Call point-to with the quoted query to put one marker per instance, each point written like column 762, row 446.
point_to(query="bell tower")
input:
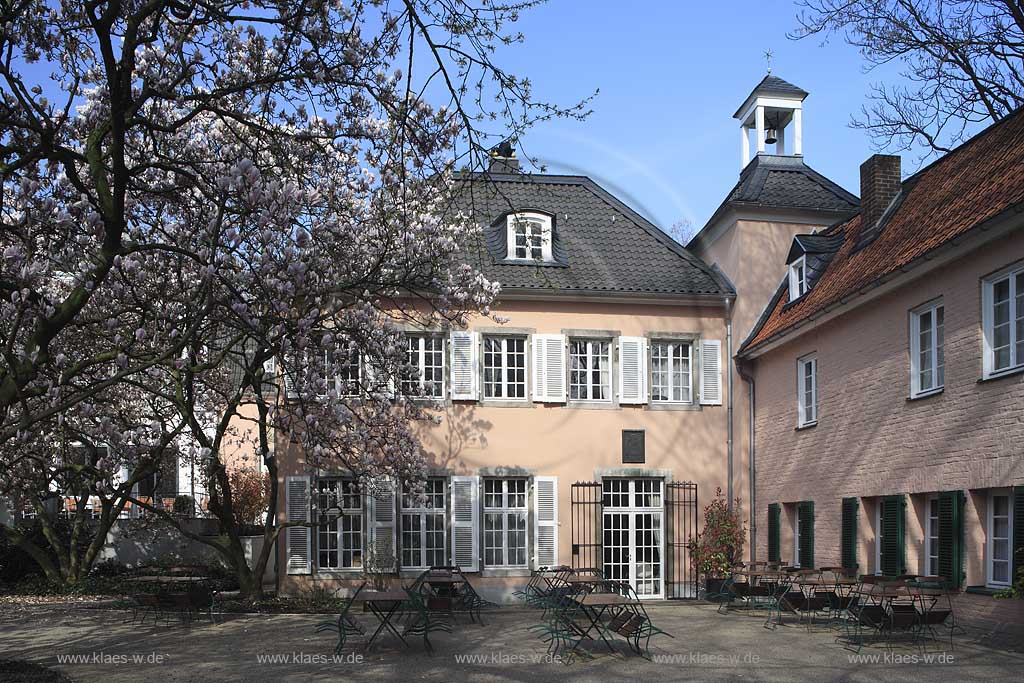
column 773, row 111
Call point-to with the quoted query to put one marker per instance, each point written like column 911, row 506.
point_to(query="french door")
column 634, row 533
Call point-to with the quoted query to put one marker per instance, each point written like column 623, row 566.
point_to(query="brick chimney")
column 503, row 159
column 880, row 182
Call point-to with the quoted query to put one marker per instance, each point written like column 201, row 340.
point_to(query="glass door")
column 634, row 533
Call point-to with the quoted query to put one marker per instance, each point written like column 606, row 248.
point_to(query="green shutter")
column 893, row 556
column 951, row 537
column 1018, row 531
column 849, row 549
column 774, row 514
column 805, row 519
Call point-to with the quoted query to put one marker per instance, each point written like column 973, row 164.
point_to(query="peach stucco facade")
column 573, row 442
column 871, row 439
column 749, row 252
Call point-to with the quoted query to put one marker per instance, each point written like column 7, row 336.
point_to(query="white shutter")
column 549, row 368
column 298, row 553
column 466, row 522
column 289, row 385
column 464, row 365
column 545, row 521
column 381, row 503
column 632, row 370
column 711, row 372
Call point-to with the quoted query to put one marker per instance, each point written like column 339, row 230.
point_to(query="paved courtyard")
column 707, row 647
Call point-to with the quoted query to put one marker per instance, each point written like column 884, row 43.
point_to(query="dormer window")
column 797, row 278
column 529, row 237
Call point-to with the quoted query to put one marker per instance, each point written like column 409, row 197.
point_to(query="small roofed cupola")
column 808, row 257
column 503, row 159
column 773, row 111
column 880, row 184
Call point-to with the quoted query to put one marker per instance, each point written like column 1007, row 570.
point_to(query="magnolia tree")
column 193, row 189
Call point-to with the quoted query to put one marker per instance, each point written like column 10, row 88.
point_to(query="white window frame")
column 589, row 354
column 536, row 226
column 936, row 352
column 345, row 386
column 506, row 511
column 357, row 515
column 504, row 354
column 436, row 391
column 931, row 535
column 1015, row 277
column 990, row 538
column 414, row 506
column 801, row 391
column 797, row 278
column 669, row 388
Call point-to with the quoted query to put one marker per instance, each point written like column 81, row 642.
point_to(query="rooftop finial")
column 768, row 54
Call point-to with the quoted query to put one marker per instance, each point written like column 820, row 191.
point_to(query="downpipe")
column 751, row 386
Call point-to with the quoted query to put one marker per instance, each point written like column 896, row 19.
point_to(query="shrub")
column 250, row 496
column 184, row 506
column 17, row 565
column 715, row 549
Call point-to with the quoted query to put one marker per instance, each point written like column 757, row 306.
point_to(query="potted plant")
column 718, row 545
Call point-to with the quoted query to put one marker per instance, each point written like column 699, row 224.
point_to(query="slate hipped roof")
column 600, row 245
column 785, row 182
column 772, row 85
column 980, row 181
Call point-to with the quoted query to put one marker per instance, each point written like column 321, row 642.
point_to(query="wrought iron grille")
column 681, row 509
column 586, row 524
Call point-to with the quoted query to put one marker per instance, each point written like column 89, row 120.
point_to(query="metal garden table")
column 384, row 605
column 594, row 605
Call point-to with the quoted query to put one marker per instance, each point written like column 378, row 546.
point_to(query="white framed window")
column 505, row 515
column 671, row 371
column 927, row 356
column 505, row 368
column 590, row 370
column 348, row 369
column 807, row 390
column 1000, row 538
column 340, row 532
column 529, row 237
column 931, row 537
column 425, row 357
column 1003, row 321
column 798, row 278
column 423, row 526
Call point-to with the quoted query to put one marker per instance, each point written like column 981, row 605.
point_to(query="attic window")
column 797, row 278
column 529, row 237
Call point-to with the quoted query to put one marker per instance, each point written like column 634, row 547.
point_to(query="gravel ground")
column 707, row 647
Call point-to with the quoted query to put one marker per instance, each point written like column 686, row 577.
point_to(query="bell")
column 770, row 136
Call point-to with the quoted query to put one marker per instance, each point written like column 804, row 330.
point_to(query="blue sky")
column 671, row 74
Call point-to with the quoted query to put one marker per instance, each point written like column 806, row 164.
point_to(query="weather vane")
column 768, row 59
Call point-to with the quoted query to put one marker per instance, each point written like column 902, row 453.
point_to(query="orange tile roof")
column 975, row 182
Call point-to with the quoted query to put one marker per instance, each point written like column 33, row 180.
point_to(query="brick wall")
column 870, row 439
